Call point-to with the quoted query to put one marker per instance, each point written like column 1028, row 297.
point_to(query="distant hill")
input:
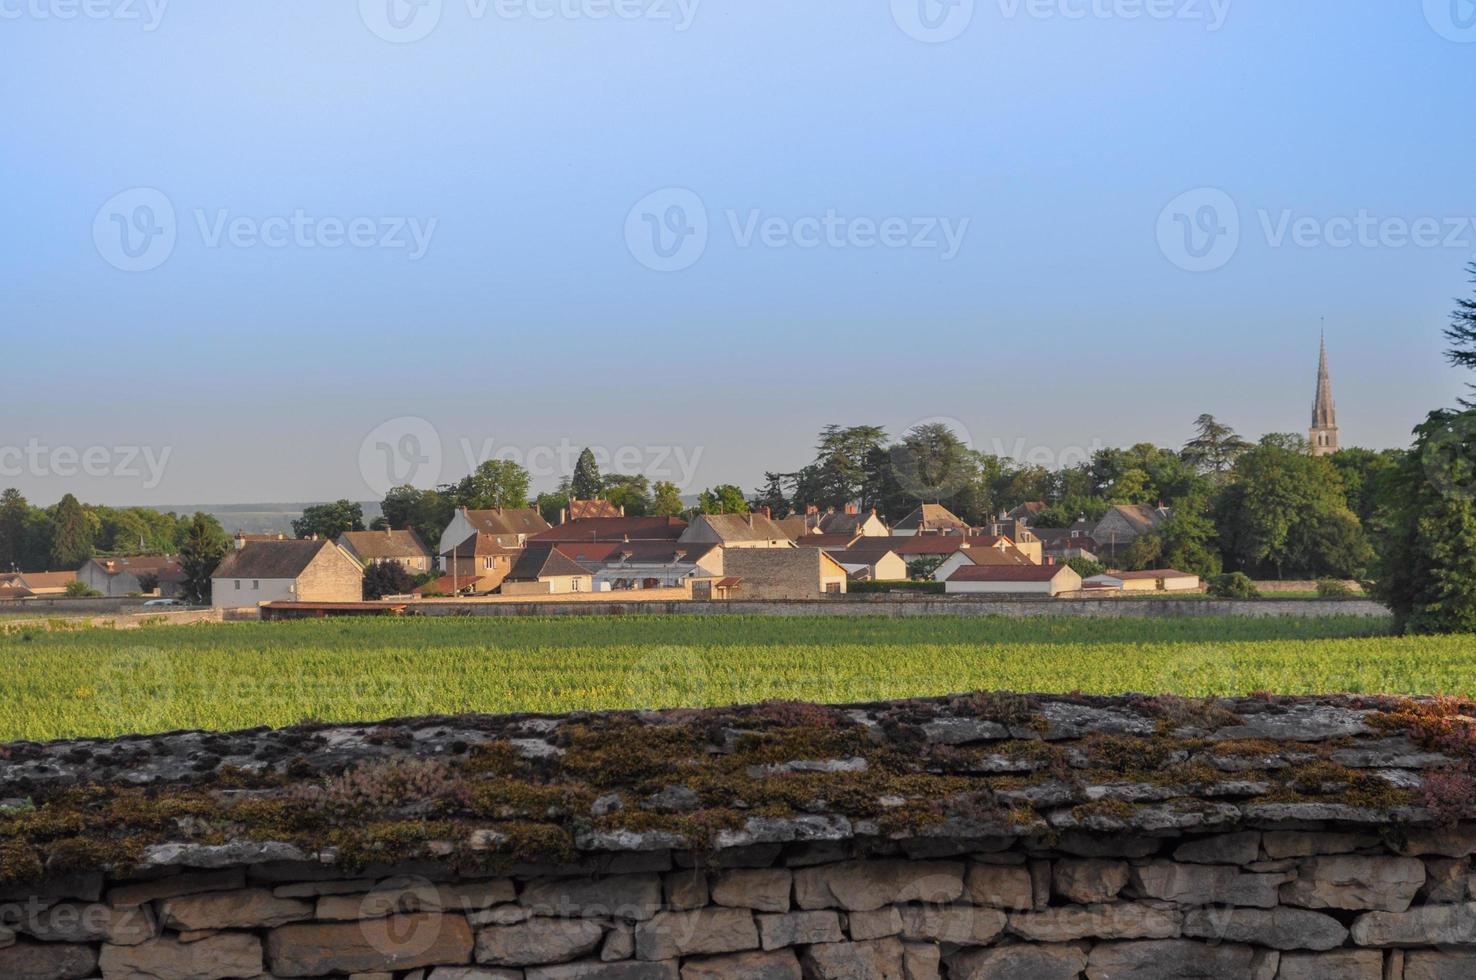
column 258, row 518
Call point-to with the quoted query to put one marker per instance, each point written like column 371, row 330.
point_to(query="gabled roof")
column 831, row 541
column 795, row 525
column 36, row 581
column 1144, row 517
column 744, row 527
column 653, row 552
column 271, row 559
column 160, row 565
column 922, row 544
column 482, row 544
column 372, row 545
column 1027, row 510
column 544, row 561
column 579, row 510
column 507, row 520
column 931, row 517
column 614, row 529
column 1007, row 573
column 843, row 523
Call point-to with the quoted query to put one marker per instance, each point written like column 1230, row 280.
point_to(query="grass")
column 225, row 676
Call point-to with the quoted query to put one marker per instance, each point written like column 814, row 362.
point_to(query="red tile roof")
column 614, row 529
column 1007, row 573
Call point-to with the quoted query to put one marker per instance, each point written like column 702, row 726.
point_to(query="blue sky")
column 997, row 213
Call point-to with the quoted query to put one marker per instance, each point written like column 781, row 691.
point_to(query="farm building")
column 286, row 571
column 1037, row 580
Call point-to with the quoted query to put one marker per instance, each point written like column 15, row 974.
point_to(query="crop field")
column 225, row 676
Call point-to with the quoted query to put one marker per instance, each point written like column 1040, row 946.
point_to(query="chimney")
column 811, row 509
column 852, row 509
column 1050, row 559
column 622, row 510
column 750, row 520
column 563, row 516
column 768, row 511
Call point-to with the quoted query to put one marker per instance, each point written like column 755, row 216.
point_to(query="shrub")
column 884, row 587
column 81, row 590
column 1333, row 588
column 1234, row 585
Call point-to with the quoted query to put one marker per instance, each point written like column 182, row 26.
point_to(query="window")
column 255, row 584
column 576, row 584
column 238, row 585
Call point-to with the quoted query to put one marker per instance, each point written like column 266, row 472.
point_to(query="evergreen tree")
column 71, row 540
column 1215, row 447
column 586, row 483
column 1462, row 332
column 204, row 547
column 328, row 521
column 496, row 483
column 13, row 513
column 771, row 495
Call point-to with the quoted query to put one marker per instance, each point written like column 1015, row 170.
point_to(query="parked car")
column 163, row 602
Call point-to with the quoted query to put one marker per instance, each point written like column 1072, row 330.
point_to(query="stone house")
column 989, row 551
column 513, row 526
column 736, row 531
column 650, row 564
column 116, row 577
column 931, row 519
column 849, row 520
column 1152, row 580
column 378, row 547
column 483, row 558
column 1125, row 523
column 542, row 569
column 784, row 573
column 28, row 584
column 286, row 571
column 871, row 565
column 1027, row 580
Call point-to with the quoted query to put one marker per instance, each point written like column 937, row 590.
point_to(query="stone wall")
column 983, row 837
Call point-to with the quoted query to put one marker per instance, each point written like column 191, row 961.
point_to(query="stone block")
column 800, row 929
column 538, row 942
column 865, row 886
column 1088, row 881
column 226, row 956
column 313, row 949
column 1353, row 882
column 760, row 889
column 1023, row 962
column 704, row 932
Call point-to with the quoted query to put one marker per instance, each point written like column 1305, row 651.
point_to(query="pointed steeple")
column 1324, row 432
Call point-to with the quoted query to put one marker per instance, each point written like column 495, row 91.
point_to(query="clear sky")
column 240, row 237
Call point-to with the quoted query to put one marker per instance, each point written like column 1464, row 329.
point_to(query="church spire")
column 1324, row 432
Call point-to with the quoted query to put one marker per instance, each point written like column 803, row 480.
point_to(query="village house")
column 1125, row 523
column 134, row 575
column 286, row 571
column 871, row 565
column 613, row 529
column 736, row 531
column 850, row 520
column 513, row 526
column 1027, row 580
column 930, row 519
column 783, row 573
column 651, row 565
column 987, row 551
column 1152, row 580
column 1027, row 511
column 27, row 585
column 542, row 569
column 242, row 539
column 380, row 547
column 1020, row 535
column 483, row 559
column 1065, row 543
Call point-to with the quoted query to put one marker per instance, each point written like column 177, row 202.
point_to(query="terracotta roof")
column 371, row 545
column 931, row 517
column 507, row 520
column 543, row 561
column 921, row 544
column 831, row 540
column 842, row 523
column 36, row 581
column 271, row 559
column 662, row 552
column 1144, row 517
column 579, row 510
column 795, row 525
column 482, row 543
column 1027, row 510
column 1007, row 573
column 1152, row 573
column 614, row 529
column 15, row 592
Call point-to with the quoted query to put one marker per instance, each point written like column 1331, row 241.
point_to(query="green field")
column 103, row 682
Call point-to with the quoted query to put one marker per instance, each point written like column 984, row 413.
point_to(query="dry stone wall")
column 975, row 838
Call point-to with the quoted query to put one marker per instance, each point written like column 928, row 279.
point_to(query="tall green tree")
column 1426, row 530
column 633, row 493
column 1462, row 332
column 204, row 547
column 772, row 495
column 723, row 499
column 71, row 542
column 667, row 501
column 495, row 483
column 1215, row 446
column 328, row 521
column 13, row 513
column 932, row 464
column 586, row 484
